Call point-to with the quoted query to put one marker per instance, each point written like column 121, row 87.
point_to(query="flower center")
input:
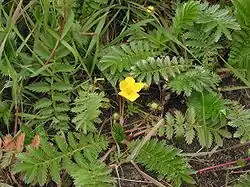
column 129, row 91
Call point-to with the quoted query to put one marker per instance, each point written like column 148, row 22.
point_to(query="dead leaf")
column 35, row 142
column 20, row 143
column 8, row 143
column 1, row 141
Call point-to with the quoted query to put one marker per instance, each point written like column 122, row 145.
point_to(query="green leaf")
column 40, row 70
column 43, row 103
column 31, row 174
column 42, row 174
column 189, row 135
column 242, row 12
column 239, row 55
column 185, row 16
column 68, row 24
column 38, row 164
column 40, row 87
column 61, row 97
column 118, row 132
column 154, row 68
column 208, row 106
column 197, row 79
column 54, row 168
column 164, row 160
column 116, row 63
column 244, row 181
column 58, row 67
column 98, row 175
column 61, row 144
column 61, row 86
column 217, row 20
column 87, row 109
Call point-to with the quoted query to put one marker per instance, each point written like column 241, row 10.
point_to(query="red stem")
column 218, row 166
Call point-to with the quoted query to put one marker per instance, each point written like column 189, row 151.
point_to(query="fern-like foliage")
column 117, row 62
column 188, row 126
column 244, row 181
column 211, row 115
column 153, row 69
column 242, row 12
column 185, row 16
column 200, row 44
column 180, row 125
column 239, row 56
column 204, row 119
column 87, row 109
column 92, row 174
column 212, row 18
column 207, row 105
column 38, row 164
column 53, row 107
column 197, row 79
column 240, row 118
column 165, row 161
column 217, row 20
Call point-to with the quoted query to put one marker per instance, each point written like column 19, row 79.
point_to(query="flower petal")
column 132, row 96
column 138, row 86
column 123, row 85
column 130, row 80
column 123, row 94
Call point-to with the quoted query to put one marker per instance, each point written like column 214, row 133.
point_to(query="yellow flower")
column 150, row 9
column 129, row 88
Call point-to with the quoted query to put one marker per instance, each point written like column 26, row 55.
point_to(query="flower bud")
column 150, row 9
column 154, row 106
column 146, row 86
column 116, row 116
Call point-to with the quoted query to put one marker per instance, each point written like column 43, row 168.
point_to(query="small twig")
column 122, row 102
column 104, row 157
column 147, row 177
column 217, row 151
column 145, row 139
column 14, row 180
column 118, row 175
column 238, row 172
column 139, row 133
column 135, row 129
column 233, row 88
column 211, row 168
column 136, row 181
column 104, row 123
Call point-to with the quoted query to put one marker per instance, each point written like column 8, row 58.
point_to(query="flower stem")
column 121, row 104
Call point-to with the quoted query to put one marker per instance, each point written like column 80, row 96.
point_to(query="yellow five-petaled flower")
column 129, row 88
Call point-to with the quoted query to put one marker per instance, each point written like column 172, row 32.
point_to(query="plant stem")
column 226, row 89
column 210, row 168
column 121, row 105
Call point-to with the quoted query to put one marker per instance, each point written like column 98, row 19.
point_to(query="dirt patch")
column 223, row 175
column 130, row 177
